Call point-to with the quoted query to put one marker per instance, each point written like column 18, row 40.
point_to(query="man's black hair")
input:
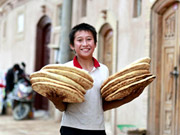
column 16, row 66
column 80, row 27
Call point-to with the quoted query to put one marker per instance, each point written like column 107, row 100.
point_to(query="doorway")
column 164, row 96
column 42, row 55
column 105, row 54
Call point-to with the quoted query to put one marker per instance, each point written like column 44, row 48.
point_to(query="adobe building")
column 30, row 31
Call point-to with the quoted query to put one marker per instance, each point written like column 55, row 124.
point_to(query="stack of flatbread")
column 70, row 83
column 130, row 79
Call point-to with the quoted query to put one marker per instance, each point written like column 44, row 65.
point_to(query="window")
column 59, row 15
column 84, row 7
column 137, row 8
column 20, row 23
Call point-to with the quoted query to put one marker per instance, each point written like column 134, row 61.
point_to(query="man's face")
column 84, row 44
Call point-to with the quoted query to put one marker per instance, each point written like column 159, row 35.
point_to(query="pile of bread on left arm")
column 133, row 77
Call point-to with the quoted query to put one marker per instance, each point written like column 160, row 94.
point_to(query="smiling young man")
column 86, row 118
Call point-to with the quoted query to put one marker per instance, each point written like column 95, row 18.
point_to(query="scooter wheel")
column 21, row 111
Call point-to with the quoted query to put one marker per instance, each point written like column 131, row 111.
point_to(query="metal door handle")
column 175, row 72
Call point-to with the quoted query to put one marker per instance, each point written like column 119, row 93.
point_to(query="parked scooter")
column 22, row 99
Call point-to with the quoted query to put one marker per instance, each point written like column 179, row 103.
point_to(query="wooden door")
column 107, row 54
column 170, row 63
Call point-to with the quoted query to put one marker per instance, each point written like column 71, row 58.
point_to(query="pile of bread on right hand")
column 130, row 79
column 69, row 83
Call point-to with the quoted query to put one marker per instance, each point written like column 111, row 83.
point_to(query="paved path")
column 45, row 126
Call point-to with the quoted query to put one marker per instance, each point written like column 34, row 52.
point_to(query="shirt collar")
column 76, row 63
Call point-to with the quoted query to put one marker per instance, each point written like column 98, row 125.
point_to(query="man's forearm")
column 107, row 105
column 60, row 106
column 116, row 103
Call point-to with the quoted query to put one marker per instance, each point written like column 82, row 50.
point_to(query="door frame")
column 41, row 56
column 42, row 24
column 103, row 31
column 154, row 103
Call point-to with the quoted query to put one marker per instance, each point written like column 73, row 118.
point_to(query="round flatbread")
column 122, row 78
column 45, row 79
column 85, row 83
column 60, row 78
column 124, row 83
column 70, row 69
column 128, row 69
column 127, row 90
column 70, row 95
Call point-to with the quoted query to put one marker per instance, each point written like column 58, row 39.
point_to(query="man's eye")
column 89, row 39
column 79, row 40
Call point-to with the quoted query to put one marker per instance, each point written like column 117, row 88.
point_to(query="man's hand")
column 57, row 100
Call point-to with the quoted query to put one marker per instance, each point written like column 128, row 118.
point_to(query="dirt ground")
column 37, row 126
